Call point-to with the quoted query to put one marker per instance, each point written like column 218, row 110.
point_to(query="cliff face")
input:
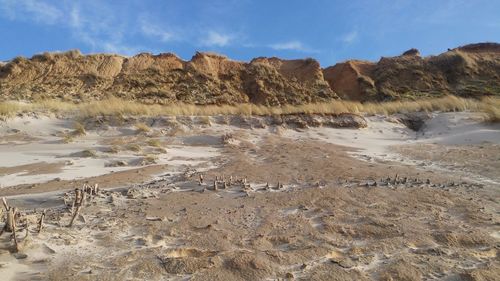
column 471, row 70
column 468, row 71
column 165, row 78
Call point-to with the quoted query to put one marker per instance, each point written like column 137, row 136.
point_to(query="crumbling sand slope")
column 468, row 71
column 205, row 79
column 208, row 78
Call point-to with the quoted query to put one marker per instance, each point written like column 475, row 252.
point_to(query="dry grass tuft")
column 133, row 147
column 9, row 109
column 142, row 128
column 149, row 159
column 119, row 107
column 67, row 138
column 112, row 149
column 79, row 129
column 160, row 150
column 491, row 108
column 154, row 143
column 88, row 153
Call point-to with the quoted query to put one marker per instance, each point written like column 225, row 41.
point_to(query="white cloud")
column 152, row 30
column 91, row 22
column 102, row 26
column 214, row 38
column 38, row 11
column 350, row 37
column 292, row 46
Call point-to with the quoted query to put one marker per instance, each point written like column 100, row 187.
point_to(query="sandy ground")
column 379, row 203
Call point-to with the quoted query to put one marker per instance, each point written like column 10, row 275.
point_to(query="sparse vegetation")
column 88, row 153
column 160, row 150
column 79, row 129
column 492, row 109
column 67, row 138
column 154, row 142
column 204, row 120
column 133, row 147
column 149, row 159
column 119, row 107
column 142, row 128
column 112, row 149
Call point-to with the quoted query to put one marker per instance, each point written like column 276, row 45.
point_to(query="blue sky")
column 330, row 31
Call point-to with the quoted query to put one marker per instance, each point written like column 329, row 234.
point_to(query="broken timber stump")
column 79, row 199
column 11, row 220
column 40, row 222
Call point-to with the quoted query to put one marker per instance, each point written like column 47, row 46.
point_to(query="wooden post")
column 74, row 215
column 40, row 222
column 84, row 198
column 9, row 224
column 14, row 237
column 90, row 191
column 79, row 198
column 5, row 204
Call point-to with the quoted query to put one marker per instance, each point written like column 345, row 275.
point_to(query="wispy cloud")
column 38, row 11
column 214, row 38
column 350, row 37
column 292, row 46
column 89, row 22
column 105, row 27
column 155, row 31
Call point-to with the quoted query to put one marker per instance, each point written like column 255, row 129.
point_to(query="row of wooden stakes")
column 81, row 198
column 221, row 181
column 11, row 224
column 13, row 216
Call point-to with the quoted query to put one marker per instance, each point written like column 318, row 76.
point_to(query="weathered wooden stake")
column 79, row 199
column 13, row 212
column 9, row 224
column 40, row 222
column 74, row 215
column 6, row 206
